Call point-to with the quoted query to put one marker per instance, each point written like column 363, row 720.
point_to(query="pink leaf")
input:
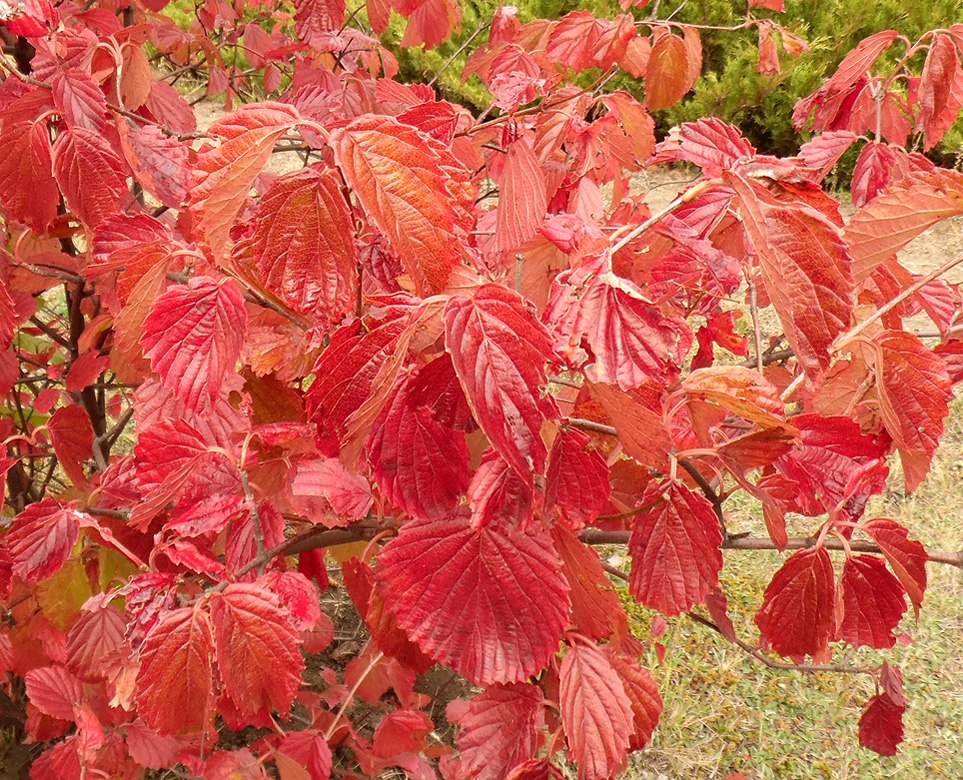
column 435, row 578
column 522, row 199
column 150, row 749
column 96, row 643
column 80, row 100
column 159, row 163
column 193, row 338
column 329, row 494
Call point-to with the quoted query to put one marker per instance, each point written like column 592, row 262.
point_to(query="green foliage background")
column 730, row 88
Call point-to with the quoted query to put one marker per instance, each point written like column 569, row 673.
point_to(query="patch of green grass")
column 725, row 712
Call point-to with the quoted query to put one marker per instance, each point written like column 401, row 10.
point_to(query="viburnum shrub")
column 455, row 352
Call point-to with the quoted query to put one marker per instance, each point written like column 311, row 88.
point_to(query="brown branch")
column 595, row 536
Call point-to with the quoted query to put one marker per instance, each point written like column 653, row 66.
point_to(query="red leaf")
column 90, row 174
column 150, row 749
column 391, row 640
column 499, row 350
column 596, row 712
column 637, row 417
column 193, row 338
column 873, row 172
column 310, row 750
column 312, row 17
column 499, row 730
column 741, row 390
column 873, row 602
column 891, row 220
column 30, row 18
column 296, row 594
column 580, row 40
column 907, row 558
column 819, row 470
column 940, row 90
column 797, row 613
column 73, row 441
column 54, row 691
column 27, row 186
column 304, row 244
column 881, row 725
column 576, row 480
column 497, row 493
column 412, row 190
column 805, row 267
column 80, row 100
column 666, row 78
column 258, row 649
column 632, row 341
column 96, row 643
column 643, row 695
column 147, row 597
column 435, row 576
column 174, row 684
column 536, row 769
column 346, row 373
column 328, row 494
column 676, row 558
column 522, row 197
column 209, row 516
column 158, row 161
column 419, row 464
column 61, row 762
column 224, row 175
column 42, row 538
column 709, row 143
column 85, row 370
column 597, row 612
column 401, row 731
column 914, row 394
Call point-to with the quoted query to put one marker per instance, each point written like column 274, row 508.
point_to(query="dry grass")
column 724, row 712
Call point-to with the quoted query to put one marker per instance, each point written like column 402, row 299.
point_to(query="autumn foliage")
column 454, row 352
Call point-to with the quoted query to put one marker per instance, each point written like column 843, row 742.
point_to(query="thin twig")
column 461, row 48
column 841, row 341
column 780, row 665
column 689, row 195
